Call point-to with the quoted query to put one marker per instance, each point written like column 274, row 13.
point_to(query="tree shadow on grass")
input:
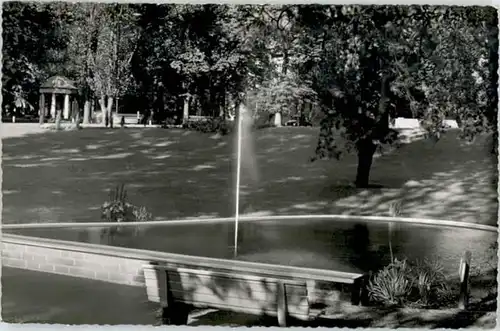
column 172, row 174
column 443, row 180
column 179, row 175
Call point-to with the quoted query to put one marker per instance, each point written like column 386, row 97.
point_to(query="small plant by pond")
column 419, row 285
column 117, row 209
column 141, row 214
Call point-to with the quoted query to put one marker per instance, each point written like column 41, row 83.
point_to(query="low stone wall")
column 71, row 259
column 125, row 265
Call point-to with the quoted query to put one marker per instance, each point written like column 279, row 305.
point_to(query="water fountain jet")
column 244, row 141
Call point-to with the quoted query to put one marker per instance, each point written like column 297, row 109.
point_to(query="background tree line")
column 360, row 66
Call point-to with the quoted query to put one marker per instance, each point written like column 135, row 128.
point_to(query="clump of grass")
column 421, row 284
column 391, row 285
column 431, row 285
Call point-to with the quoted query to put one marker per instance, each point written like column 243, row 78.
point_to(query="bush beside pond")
column 418, row 285
column 116, row 209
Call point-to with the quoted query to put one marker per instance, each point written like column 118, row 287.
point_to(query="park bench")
column 286, row 292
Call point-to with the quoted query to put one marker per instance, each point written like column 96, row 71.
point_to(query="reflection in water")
column 96, row 236
column 358, row 242
column 339, row 245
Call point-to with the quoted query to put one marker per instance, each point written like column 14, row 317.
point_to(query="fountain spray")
column 238, row 175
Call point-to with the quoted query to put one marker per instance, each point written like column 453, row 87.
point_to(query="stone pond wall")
column 125, row 266
column 72, row 259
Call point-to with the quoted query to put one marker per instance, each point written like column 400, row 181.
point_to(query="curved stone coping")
column 367, row 219
column 85, row 255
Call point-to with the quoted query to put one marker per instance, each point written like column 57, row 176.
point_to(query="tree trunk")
column 74, row 109
column 77, row 121
column 160, row 105
column 92, row 109
column 58, row 120
column 102, row 104
column 302, row 116
column 185, row 110
column 222, row 104
column 42, row 108
column 366, row 149
column 197, row 105
column 110, row 111
column 278, row 122
column 237, row 115
column 86, row 112
column 284, row 69
column 222, row 113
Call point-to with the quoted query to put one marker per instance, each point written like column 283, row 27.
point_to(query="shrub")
column 211, row 125
column 117, row 209
column 170, row 121
column 429, row 282
column 422, row 284
column 391, row 285
column 261, row 126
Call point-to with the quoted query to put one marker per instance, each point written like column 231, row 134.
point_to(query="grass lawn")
column 65, row 176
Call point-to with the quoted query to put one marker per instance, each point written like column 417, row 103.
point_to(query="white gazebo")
column 57, row 87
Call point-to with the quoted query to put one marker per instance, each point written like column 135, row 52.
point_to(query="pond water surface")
column 343, row 245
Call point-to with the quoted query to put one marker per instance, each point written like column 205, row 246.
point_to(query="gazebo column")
column 53, row 106
column 66, row 107
column 42, row 108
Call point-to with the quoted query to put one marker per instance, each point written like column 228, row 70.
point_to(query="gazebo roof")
column 59, row 84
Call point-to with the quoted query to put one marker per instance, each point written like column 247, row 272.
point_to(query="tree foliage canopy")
column 357, row 63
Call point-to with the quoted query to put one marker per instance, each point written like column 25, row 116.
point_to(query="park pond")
column 336, row 244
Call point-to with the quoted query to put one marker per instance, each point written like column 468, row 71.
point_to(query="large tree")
column 33, row 49
column 363, row 58
column 102, row 42
column 209, row 52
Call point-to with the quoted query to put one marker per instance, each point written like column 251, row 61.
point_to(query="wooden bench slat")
column 262, row 269
column 230, row 295
column 268, row 299
column 301, row 314
column 158, row 293
column 228, row 274
column 185, row 281
column 203, row 279
column 282, row 304
column 342, row 278
column 240, row 291
column 269, row 307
